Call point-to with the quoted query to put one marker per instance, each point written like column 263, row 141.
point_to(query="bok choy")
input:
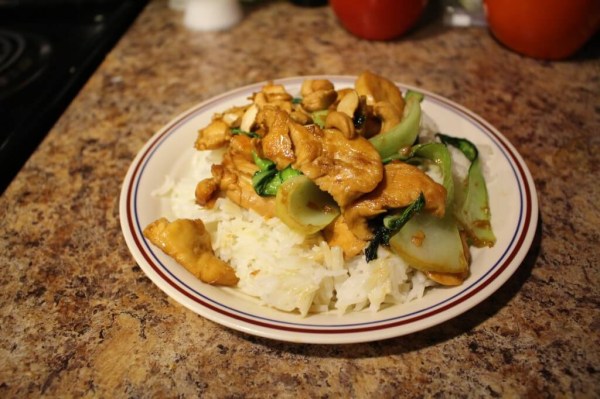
column 390, row 225
column 403, row 134
column 267, row 179
column 472, row 207
column 303, row 207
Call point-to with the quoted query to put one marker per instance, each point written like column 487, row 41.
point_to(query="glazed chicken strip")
column 188, row 242
column 239, row 155
column 276, row 144
column 206, row 192
column 401, row 185
column 337, row 234
column 235, row 177
column 215, row 135
column 345, row 168
column 241, row 191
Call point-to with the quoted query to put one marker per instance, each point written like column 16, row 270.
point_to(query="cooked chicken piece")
column 218, row 132
column 188, row 242
column 345, row 168
column 218, row 172
column 233, row 116
column 337, row 234
column 206, row 192
column 377, row 88
column 234, row 176
column 299, row 115
column 276, row 144
column 401, row 185
column 215, row 135
column 241, row 191
column 239, row 153
column 308, row 143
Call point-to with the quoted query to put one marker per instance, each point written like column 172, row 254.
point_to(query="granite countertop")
column 80, row 318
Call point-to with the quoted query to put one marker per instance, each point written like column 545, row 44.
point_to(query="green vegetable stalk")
column 267, row 179
column 437, row 153
column 303, row 207
column 472, row 204
column 252, row 135
column 319, row 117
column 403, row 134
column 390, row 225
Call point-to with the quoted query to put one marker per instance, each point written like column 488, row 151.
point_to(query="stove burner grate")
column 23, row 57
column 11, row 47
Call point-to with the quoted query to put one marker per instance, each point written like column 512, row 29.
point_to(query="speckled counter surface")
column 78, row 317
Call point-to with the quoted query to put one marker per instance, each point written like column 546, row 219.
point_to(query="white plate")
column 513, row 205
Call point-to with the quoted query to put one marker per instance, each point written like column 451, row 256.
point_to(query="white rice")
column 284, row 269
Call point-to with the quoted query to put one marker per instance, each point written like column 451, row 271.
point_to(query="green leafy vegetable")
column 472, row 203
column 438, row 154
column 244, row 132
column 415, row 95
column 303, row 206
column 429, row 243
column 464, row 145
column 319, row 117
column 390, row 225
column 262, row 163
column 267, row 179
column 403, row 134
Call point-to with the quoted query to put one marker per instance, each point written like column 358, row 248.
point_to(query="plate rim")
column 380, row 329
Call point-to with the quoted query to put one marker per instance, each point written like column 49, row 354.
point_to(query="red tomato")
column 378, row 19
column 547, row 29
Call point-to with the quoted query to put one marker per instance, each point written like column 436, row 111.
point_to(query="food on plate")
column 188, row 242
column 301, row 205
column 328, row 198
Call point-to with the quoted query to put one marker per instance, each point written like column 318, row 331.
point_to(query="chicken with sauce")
column 326, row 136
column 188, row 242
column 401, row 185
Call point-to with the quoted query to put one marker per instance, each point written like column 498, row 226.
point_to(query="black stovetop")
column 48, row 50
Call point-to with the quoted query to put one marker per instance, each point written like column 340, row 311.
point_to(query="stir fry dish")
column 347, row 166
